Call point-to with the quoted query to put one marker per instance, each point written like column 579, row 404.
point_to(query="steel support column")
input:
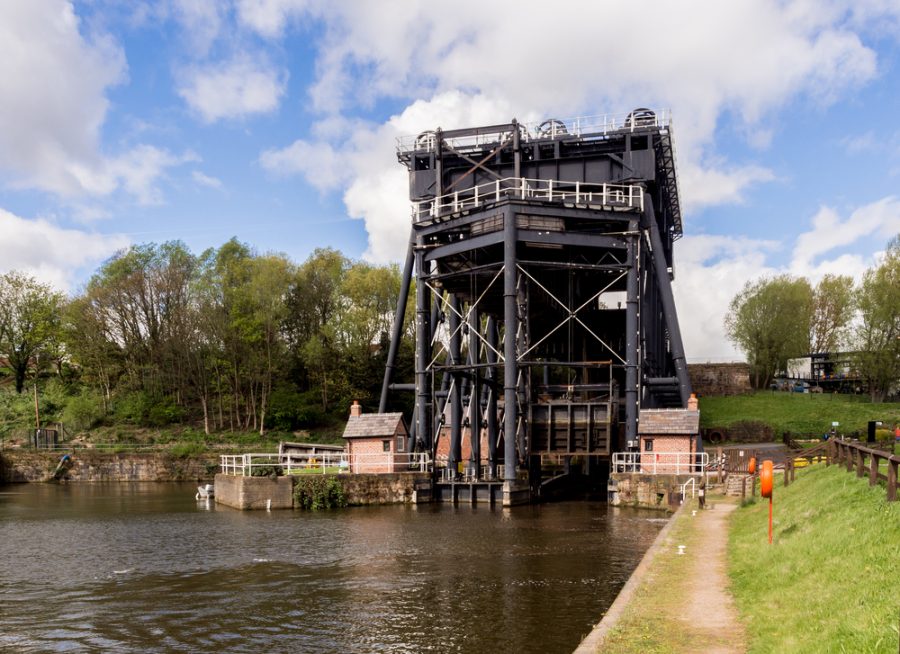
column 668, row 301
column 423, row 352
column 510, row 326
column 456, row 410
column 632, row 363
column 475, row 389
column 493, row 430
column 397, row 327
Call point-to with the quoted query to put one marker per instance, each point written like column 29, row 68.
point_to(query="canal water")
column 144, row 567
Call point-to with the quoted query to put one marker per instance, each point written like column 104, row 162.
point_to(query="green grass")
column 798, row 413
column 829, row 581
column 313, row 470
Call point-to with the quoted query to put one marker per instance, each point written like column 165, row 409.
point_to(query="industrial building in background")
column 545, row 321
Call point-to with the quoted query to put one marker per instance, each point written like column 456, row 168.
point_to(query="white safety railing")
column 613, row 196
column 248, row 465
column 581, row 127
column 466, row 472
column 660, row 463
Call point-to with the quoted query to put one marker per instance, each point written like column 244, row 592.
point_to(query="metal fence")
column 613, row 196
column 260, row 464
column 660, row 463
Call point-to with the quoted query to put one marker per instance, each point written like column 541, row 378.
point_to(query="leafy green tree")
column 770, row 321
column 29, row 322
column 832, row 308
column 877, row 334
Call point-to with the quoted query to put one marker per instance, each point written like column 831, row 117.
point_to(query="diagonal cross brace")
column 572, row 314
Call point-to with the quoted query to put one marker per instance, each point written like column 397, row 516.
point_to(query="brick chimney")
column 355, row 409
column 693, row 402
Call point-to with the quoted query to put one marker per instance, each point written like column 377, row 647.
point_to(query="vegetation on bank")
column 800, row 414
column 828, row 583
column 227, row 342
column 775, row 319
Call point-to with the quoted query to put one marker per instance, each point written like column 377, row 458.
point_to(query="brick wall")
column 374, row 458
column 668, row 451
column 720, row 378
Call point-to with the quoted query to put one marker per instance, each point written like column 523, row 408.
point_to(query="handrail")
column 577, row 127
column 693, row 484
column 660, row 463
column 853, row 455
column 244, row 465
column 613, row 196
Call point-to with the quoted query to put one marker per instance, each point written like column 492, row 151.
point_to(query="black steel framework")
column 543, row 260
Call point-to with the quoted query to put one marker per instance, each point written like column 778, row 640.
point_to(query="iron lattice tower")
column 543, row 260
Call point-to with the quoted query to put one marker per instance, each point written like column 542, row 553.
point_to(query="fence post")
column 753, row 485
column 793, row 468
column 892, row 480
column 848, row 455
column 873, row 470
column 743, row 488
column 860, row 463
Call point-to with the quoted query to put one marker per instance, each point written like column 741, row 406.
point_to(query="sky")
column 274, row 121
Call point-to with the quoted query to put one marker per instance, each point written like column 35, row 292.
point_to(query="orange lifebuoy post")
column 765, row 488
column 751, row 468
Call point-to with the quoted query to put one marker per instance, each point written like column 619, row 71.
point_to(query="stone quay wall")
column 660, row 492
column 90, row 466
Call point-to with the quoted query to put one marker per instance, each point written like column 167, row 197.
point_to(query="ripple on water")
column 144, row 568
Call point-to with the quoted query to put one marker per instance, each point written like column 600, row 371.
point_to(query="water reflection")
column 146, row 567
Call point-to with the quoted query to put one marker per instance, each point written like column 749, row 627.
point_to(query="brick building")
column 669, row 438
column 376, row 442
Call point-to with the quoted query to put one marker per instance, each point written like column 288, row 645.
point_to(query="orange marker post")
column 765, row 488
column 751, row 468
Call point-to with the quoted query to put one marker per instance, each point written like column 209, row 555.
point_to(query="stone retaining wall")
column 254, row 492
column 661, row 492
column 88, row 465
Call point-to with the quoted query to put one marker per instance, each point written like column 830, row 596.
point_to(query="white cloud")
column 236, row 88
column 712, row 269
column 49, row 252
column 206, row 180
column 269, row 17
column 201, row 21
column 830, row 232
column 744, row 60
column 53, row 81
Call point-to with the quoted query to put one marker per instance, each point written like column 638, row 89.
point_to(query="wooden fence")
column 854, row 455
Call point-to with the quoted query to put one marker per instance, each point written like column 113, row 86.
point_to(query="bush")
column 184, row 450
column 145, row 410
column 316, row 493
column 267, row 471
column 84, row 410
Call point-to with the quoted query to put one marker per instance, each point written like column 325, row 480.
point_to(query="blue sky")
column 274, row 121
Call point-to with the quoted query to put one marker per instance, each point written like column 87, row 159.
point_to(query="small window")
column 400, row 440
column 648, row 444
column 386, row 446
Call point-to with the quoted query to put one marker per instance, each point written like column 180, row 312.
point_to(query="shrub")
column 84, row 410
column 146, row 410
column 316, row 493
column 267, row 471
column 184, row 450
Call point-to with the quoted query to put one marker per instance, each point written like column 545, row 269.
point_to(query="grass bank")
column 829, row 581
column 798, row 413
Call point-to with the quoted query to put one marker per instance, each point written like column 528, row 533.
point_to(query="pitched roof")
column 669, row 421
column 373, row 424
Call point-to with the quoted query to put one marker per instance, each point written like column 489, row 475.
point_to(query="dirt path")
column 709, row 608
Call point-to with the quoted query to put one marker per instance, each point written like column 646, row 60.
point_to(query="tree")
column 877, row 334
column 770, row 321
column 29, row 322
column 831, row 313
